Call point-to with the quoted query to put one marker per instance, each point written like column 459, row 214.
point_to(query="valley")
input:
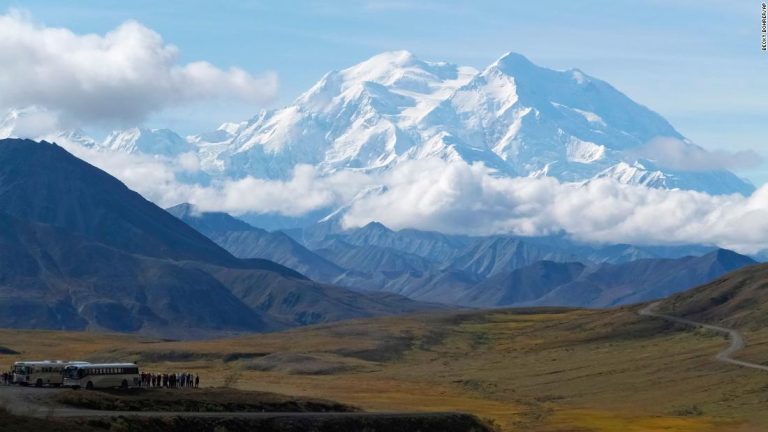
column 525, row 369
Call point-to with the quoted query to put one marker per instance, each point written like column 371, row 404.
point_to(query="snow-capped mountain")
column 163, row 142
column 38, row 123
column 517, row 118
column 514, row 116
column 363, row 117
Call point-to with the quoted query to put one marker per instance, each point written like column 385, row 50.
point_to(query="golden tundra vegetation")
column 522, row 370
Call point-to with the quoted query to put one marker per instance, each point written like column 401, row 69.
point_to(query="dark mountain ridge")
column 42, row 182
column 79, row 250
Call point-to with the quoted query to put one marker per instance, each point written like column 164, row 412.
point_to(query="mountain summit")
column 514, row 116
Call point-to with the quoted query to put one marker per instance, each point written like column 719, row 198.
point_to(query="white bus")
column 104, row 375
column 40, row 373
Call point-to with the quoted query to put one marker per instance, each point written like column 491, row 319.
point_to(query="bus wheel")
column 124, row 385
column 89, row 386
column 39, row 383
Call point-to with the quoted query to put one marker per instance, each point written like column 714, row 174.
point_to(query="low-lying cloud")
column 456, row 197
column 468, row 199
column 678, row 155
column 119, row 77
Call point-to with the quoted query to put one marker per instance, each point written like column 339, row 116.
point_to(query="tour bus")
column 104, row 375
column 40, row 373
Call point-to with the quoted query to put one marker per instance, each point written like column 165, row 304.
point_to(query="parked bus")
column 40, row 373
column 105, row 375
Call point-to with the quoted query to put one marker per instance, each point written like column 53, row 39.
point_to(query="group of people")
column 169, row 380
column 7, row 378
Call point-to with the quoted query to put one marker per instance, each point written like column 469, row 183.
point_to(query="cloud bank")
column 678, row 155
column 468, row 199
column 459, row 198
column 119, row 77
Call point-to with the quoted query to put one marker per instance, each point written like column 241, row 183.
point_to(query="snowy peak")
column 515, row 117
column 394, row 79
column 547, row 89
column 401, row 70
column 363, row 117
column 73, row 137
column 163, row 142
column 513, row 63
column 385, row 68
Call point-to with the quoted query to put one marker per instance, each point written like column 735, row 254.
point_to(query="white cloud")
column 304, row 192
column 188, row 162
column 121, row 76
column 30, row 122
column 678, row 155
column 468, row 199
column 455, row 197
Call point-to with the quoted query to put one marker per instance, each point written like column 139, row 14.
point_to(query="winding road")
column 726, row 355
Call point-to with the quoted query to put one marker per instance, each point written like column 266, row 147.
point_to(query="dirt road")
column 726, row 355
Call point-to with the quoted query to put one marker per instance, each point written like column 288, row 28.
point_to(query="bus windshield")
column 21, row 369
column 73, row 372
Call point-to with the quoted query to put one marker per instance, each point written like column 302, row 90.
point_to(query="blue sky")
column 698, row 63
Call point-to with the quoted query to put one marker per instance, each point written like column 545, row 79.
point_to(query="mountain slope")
column 246, row 241
column 738, row 299
column 522, row 285
column 43, row 183
column 372, row 259
column 432, row 246
column 644, row 279
column 55, row 279
column 497, row 254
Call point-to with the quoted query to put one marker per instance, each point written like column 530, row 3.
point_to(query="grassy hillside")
column 738, row 299
column 528, row 370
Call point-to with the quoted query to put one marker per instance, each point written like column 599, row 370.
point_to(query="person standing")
column 197, row 381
